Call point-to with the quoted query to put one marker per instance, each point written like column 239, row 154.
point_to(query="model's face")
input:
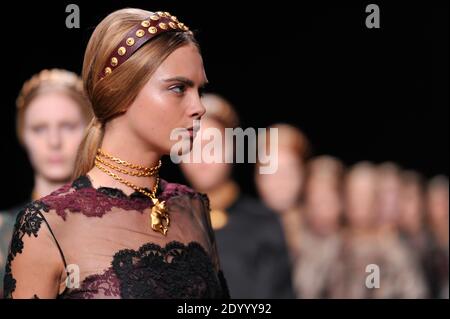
column 323, row 205
column 281, row 191
column 411, row 207
column 170, row 100
column 437, row 205
column 53, row 129
column 204, row 176
column 388, row 198
column 360, row 200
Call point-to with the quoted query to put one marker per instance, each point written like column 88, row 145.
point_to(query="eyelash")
column 179, row 86
column 38, row 129
column 201, row 90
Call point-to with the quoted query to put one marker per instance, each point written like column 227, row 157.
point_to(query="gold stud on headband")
column 140, row 33
column 163, row 26
column 157, row 23
column 122, row 51
column 130, row 42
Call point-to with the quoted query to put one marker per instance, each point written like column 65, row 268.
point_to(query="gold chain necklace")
column 125, row 163
column 159, row 217
column 153, row 171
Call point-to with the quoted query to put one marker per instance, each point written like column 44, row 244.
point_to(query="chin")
column 57, row 175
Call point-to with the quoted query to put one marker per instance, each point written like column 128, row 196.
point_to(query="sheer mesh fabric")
column 86, row 242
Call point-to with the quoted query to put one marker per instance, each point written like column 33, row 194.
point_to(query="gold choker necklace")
column 159, row 216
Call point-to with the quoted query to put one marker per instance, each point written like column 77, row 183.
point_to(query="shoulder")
column 254, row 207
column 252, row 212
column 31, row 228
column 32, row 252
column 76, row 196
column 29, row 222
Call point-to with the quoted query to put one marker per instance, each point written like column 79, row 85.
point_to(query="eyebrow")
column 185, row 80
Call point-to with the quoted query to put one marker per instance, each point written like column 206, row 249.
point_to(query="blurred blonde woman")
column 437, row 217
column 371, row 243
column 319, row 236
column 283, row 190
column 52, row 113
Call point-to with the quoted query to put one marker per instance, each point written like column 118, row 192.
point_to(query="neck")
column 128, row 149
column 43, row 186
column 222, row 196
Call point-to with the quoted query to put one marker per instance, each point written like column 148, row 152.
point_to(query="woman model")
column 52, row 113
column 118, row 230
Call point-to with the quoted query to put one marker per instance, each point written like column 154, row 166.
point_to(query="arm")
column 34, row 265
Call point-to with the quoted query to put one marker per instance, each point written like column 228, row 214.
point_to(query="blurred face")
column 53, row 129
column 437, row 205
column 281, row 191
column 323, row 207
column 170, row 100
column 411, row 207
column 388, row 195
column 360, row 199
column 207, row 176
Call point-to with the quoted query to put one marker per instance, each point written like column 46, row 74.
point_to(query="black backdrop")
column 358, row 93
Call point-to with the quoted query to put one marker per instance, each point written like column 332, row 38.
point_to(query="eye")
column 38, row 129
column 69, row 126
column 178, row 89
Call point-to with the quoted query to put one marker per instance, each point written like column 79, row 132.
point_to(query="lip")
column 56, row 160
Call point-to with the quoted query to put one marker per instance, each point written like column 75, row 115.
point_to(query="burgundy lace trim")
column 82, row 197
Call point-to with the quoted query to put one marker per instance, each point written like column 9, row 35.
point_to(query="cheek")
column 73, row 139
column 273, row 186
column 154, row 117
column 35, row 146
column 72, row 142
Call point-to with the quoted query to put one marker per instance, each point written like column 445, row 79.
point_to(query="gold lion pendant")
column 159, row 217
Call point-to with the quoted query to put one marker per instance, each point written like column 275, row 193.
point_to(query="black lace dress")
column 102, row 239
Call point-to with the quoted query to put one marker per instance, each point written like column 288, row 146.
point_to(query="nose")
column 197, row 110
column 54, row 138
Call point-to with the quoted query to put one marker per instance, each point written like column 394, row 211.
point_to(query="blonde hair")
column 291, row 137
column 112, row 95
column 362, row 169
column 50, row 81
column 325, row 167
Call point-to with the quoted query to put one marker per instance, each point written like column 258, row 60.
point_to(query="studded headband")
column 157, row 23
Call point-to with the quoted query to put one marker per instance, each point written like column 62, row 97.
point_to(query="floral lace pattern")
column 174, row 270
column 28, row 223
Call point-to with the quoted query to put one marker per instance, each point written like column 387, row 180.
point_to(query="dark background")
column 358, row 93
